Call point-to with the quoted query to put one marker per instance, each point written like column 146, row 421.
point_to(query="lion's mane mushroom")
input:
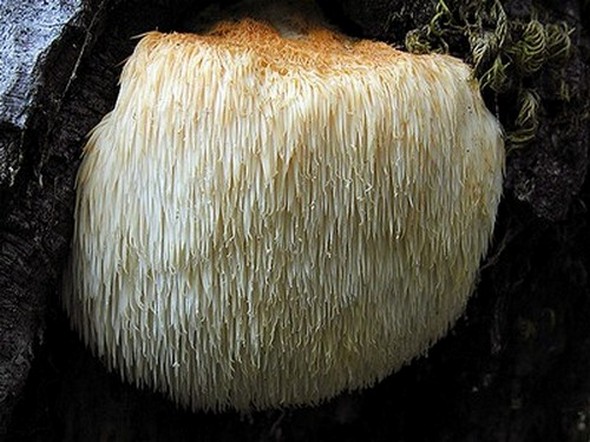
column 269, row 218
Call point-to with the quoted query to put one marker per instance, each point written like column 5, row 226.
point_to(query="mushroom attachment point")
column 269, row 217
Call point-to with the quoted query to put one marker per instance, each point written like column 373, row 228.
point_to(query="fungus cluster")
column 269, row 218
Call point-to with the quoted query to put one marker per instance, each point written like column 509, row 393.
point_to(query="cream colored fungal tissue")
column 274, row 213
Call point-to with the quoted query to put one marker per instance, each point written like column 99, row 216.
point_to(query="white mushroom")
column 266, row 220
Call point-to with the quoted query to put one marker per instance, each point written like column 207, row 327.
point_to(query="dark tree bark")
column 41, row 47
column 514, row 368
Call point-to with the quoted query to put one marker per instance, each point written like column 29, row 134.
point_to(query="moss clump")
column 513, row 56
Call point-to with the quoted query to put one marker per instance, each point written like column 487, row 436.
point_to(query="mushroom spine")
column 268, row 218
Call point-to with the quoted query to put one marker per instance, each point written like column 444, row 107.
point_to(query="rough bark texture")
column 26, row 40
column 514, row 368
column 41, row 46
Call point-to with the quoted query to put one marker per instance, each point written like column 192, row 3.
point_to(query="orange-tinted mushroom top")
column 311, row 47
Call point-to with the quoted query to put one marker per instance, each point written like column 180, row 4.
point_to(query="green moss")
column 527, row 122
column 512, row 56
